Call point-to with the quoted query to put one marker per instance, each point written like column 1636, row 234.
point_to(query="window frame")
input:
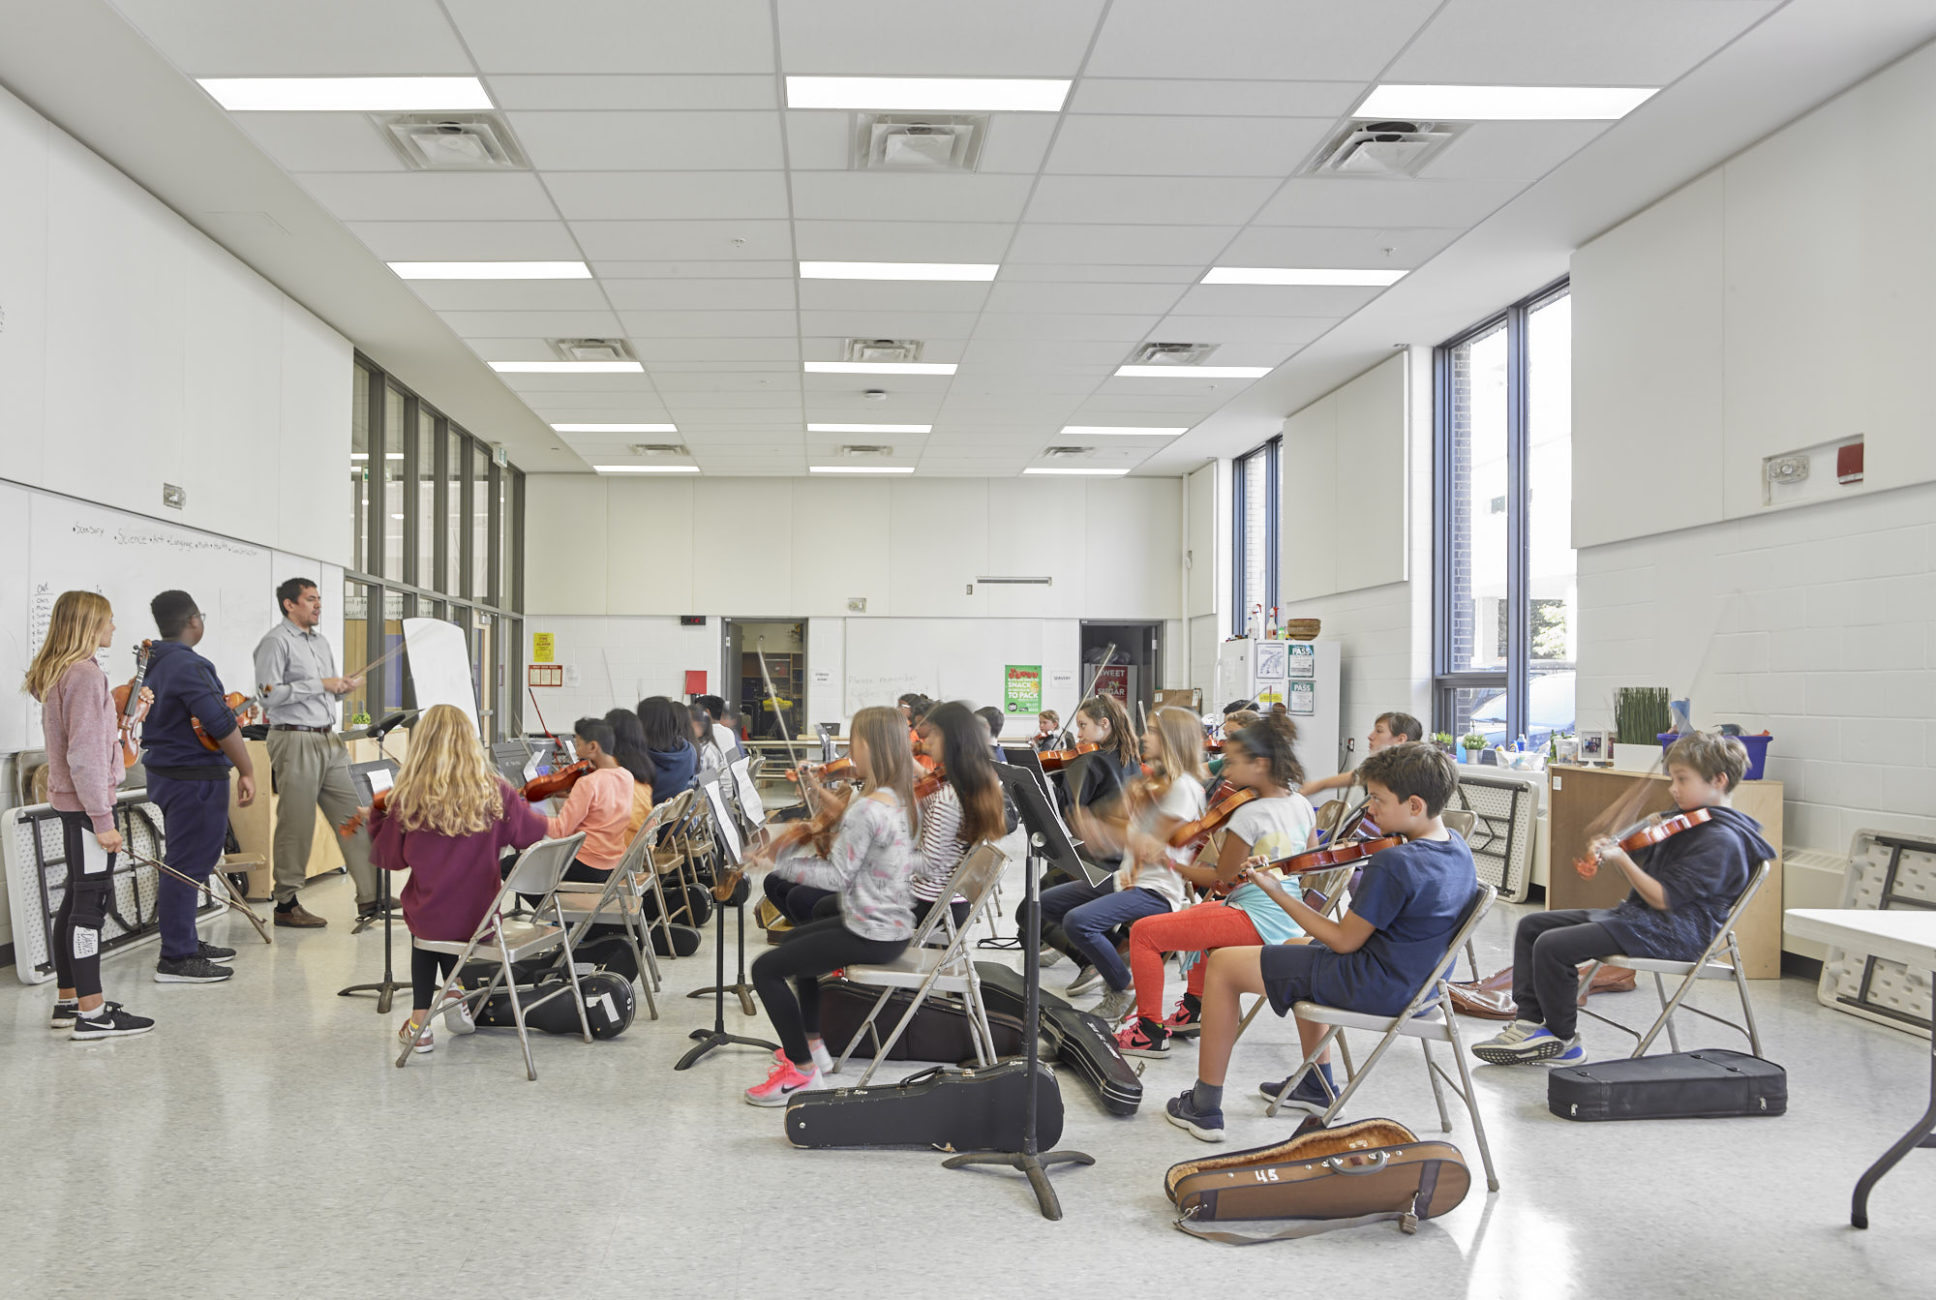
column 1271, row 449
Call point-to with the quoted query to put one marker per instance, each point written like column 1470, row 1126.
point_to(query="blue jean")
column 195, row 820
column 1089, row 926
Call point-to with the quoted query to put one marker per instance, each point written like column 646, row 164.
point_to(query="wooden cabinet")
column 1581, row 796
column 255, row 826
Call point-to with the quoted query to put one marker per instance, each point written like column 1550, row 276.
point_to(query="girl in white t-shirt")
column 1149, row 881
column 1262, row 758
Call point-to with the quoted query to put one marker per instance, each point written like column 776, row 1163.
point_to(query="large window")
column 1254, row 512
column 1505, row 607
column 437, row 528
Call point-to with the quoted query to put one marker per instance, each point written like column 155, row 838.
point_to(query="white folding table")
column 1905, row 936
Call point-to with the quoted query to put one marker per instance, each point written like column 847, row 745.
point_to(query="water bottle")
column 1520, row 744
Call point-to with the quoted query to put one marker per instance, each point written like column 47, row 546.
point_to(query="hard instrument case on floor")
column 1712, row 1083
column 1081, row 1041
column 966, row 1110
column 609, row 1005
column 939, row 1031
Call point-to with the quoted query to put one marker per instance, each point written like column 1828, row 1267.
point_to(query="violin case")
column 1713, row 1083
column 1081, row 1041
column 609, row 1005
column 965, row 1110
column 939, row 1031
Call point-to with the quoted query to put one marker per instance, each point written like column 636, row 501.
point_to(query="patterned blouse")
column 869, row 865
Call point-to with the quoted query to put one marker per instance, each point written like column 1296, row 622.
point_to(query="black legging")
column 84, row 906
column 808, row 952
column 922, row 906
column 1548, row 948
column 795, row 900
column 428, row 970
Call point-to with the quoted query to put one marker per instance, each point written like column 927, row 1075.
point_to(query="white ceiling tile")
column 901, row 389
column 1213, row 392
column 1075, row 273
column 672, row 382
column 1254, row 39
column 673, row 241
column 1291, row 331
column 1185, row 146
column 1352, row 246
column 1060, row 325
column 617, row 36
column 1523, row 151
column 624, row 270
column 1009, row 355
column 668, row 196
column 1017, row 142
column 936, row 38
column 514, row 350
column 1332, row 202
column 632, row 94
column 778, row 401
column 574, row 141
column 434, row 241
column 247, row 38
column 1197, row 201
column 1273, row 300
column 1113, row 299
column 701, row 295
column 891, row 295
column 510, row 295
column 532, row 324
column 320, row 142
column 627, row 384
column 443, row 196
column 1117, row 244
column 901, row 241
column 889, row 324
column 675, row 352
column 709, row 324
column 895, row 196
column 818, row 140
column 1326, row 99
column 1533, row 42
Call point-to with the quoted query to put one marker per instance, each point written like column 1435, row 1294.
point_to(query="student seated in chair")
column 1681, row 897
column 1372, row 961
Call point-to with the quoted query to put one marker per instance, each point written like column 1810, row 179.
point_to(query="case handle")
column 1375, row 1162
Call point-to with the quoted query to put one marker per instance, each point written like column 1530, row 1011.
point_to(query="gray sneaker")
column 1116, row 1005
column 191, row 970
column 1087, row 977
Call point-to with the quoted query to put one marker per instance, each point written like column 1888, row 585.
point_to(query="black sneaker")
column 214, row 952
column 1310, row 1094
column 110, row 1022
column 190, row 970
column 65, row 1014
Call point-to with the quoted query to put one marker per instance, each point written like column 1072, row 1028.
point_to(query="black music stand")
column 727, row 830
column 1048, row 841
column 708, row 1039
column 363, row 776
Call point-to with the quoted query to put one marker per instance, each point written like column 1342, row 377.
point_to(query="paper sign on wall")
column 1304, row 698
column 1270, row 660
column 543, row 648
column 1302, row 660
column 1022, row 691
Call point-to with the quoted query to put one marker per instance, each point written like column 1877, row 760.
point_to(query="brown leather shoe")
column 300, row 917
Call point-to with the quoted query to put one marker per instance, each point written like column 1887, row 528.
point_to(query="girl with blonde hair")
column 448, row 818
column 84, row 767
column 868, row 864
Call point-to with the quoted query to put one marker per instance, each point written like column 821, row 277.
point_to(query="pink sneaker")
column 1184, row 1022
column 1137, row 1040
column 785, row 1080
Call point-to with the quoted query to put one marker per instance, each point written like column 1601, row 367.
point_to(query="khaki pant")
column 314, row 769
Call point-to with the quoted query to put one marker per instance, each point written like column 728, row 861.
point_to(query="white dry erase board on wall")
column 954, row 658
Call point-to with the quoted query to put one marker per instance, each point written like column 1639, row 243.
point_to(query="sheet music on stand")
column 1030, row 792
column 723, row 820
column 372, row 778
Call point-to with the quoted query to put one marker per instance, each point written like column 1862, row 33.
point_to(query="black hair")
column 1414, row 769
column 665, row 723
column 702, row 721
column 993, row 717
column 1238, row 706
column 971, row 770
column 596, row 730
column 173, row 611
column 628, row 744
column 291, row 590
column 1273, row 739
column 714, row 705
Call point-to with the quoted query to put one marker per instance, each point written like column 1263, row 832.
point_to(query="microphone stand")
column 385, row 988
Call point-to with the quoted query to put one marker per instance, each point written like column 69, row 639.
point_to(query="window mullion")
column 1518, row 596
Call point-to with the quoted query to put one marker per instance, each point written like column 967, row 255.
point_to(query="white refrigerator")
column 1303, row 676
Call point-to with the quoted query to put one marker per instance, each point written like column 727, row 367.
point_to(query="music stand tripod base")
column 708, row 1039
column 385, row 988
column 742, row 990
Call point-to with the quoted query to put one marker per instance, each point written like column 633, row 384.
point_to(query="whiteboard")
column 953, row 658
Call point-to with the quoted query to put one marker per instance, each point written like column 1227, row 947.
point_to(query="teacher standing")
column 297, row 672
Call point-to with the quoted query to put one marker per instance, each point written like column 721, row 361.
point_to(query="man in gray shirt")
column 297, row 672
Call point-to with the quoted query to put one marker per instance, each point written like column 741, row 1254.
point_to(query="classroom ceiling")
column 662, row 154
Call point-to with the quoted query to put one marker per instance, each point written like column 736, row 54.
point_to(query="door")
column 1133, row 671
column 731, row 637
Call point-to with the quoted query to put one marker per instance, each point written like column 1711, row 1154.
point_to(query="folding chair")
column 668, row 857
column 1709, row 966
column 624, row 894
column 1464, row 821
column 1427, row 1017
column 1329, row 883
column 949, row 969
column 501, row 940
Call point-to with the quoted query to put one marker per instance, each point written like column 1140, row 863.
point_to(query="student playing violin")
column 967, row 810
column 1279, row 822
column 1047, row 722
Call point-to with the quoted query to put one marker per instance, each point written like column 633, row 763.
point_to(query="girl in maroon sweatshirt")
column 83, row 769
column 447, row 820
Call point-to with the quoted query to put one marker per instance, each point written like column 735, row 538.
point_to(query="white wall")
column 1206, row 580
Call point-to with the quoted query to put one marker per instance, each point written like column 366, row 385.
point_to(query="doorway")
column 784, row 643
column 1134, row 670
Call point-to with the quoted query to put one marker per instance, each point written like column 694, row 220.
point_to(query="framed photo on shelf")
column 1596, row 747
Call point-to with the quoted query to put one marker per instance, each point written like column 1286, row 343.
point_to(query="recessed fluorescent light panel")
column 980, row 271
column 860, row 469
column 870, row 428
column 880, row 367
column 567, row 367
column 492, row 270
column 616, row 428
column 1119, row 431
column 928, row 94
column 1504, row 103
column 646, row 469
column 1192, row 372
column 1063, row 469
column 1302, row 275
column 346, row 94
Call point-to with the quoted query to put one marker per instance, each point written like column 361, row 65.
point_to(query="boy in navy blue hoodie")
column 1680, row 897
column 189, row 782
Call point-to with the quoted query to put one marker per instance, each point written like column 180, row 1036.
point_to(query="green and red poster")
column 1023, row 689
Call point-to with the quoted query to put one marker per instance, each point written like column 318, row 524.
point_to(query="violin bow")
column 1069, row 728
column 228, row 895
column 557, row 745
column 779, row 720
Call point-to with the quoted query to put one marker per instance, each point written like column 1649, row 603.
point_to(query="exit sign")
column 692, row 620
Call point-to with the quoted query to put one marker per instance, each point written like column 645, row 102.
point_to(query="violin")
column 355, row 823
column 840, row 769
column 1337, row 855
column 131, row 704
column 1220, row 812
column 239, row 707
column 1053, row 760
column 1644, row 836
column 540, row 788
column 930, row 785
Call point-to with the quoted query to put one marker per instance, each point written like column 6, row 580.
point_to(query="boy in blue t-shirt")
column 1372, row 960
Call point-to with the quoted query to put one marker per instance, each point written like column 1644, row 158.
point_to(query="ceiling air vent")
column 1384, row 150
column 881, row 350
column 659, row 449
column 866, row 449
column 592, row 349
column 905, row 142
column 1172, row 354
column 453, row 142
column 1067, row 451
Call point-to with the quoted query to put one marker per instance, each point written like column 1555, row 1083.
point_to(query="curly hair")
column 447, row 784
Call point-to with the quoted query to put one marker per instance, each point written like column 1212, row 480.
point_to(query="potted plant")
column 1640, row 715
column 1475, row 745
column 1443, row 740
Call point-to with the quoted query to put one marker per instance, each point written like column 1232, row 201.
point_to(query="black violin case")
column 1081, row 1041
column 965, row 1110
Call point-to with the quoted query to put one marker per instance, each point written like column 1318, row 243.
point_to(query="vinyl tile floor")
column 261, row 1143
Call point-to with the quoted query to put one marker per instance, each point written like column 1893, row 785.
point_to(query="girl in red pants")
column 1278, row 823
